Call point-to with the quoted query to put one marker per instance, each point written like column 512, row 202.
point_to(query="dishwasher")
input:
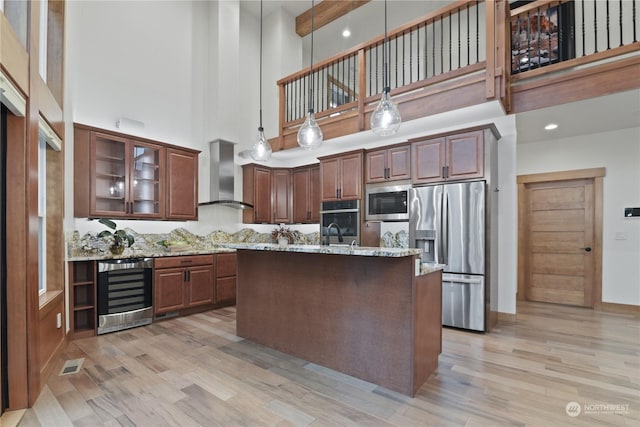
column 124, row 294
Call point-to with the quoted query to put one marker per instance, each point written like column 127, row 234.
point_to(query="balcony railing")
column 464, row 54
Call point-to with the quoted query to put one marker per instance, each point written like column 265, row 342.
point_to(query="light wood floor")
column 194, row 371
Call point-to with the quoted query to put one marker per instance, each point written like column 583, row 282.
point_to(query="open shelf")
column 83, row 298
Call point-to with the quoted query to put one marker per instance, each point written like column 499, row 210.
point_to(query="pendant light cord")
column 261, row 128
column 387, row 69
column 311, row 64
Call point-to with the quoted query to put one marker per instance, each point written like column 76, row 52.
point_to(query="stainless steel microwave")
column 388, row 203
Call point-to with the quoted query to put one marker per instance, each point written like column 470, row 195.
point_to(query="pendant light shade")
column 310, row 135
column 385, row 119
column 261, row 150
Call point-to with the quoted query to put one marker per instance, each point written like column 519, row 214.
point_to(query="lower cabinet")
column 226, row 278
column 183, row 282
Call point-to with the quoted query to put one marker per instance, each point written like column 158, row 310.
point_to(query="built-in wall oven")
column 124, row 294
column 345, row 214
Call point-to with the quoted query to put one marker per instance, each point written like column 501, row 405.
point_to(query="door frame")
column 597, row 174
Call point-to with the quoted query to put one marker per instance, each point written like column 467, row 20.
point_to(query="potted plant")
column 283, row 235
column 119, row 237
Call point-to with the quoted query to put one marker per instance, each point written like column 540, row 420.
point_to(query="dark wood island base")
column 370, row 317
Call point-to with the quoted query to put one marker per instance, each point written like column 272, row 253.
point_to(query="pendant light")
column 261, row 150
column 310, row 134
column 385, row 119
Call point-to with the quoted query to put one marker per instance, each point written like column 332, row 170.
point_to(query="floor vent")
column 72, row 366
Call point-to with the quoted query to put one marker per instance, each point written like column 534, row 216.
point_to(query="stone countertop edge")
column 155, row 254
column 329, row 250
column 430, row 267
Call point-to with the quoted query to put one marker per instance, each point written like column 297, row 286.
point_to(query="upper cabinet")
column 459, row 156
column 306, row 194
column 182, row 185
column 341, row 176
column 118, row 176
column 388, row 164
column 256, row 190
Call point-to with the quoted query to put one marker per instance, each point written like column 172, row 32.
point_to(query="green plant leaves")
column 108, row 223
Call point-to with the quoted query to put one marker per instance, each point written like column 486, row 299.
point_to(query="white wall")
column 619, row 153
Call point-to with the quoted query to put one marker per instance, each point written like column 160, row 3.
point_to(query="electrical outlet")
column 59, row 320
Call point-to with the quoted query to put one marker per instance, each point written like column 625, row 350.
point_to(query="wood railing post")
column 362, row 88
column 281, row 117
column 490, row 11
column 503, row 51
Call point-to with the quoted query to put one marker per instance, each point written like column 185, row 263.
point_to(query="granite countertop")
column 151, row 254
column 430, row 267
column 332, row 250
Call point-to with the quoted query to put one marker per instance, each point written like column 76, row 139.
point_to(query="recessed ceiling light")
column 346, row 33
column 551, row 126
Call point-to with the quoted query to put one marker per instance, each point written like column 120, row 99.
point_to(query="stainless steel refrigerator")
column 449, row 223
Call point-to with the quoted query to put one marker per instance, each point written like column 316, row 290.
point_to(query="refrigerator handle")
column 445, row 227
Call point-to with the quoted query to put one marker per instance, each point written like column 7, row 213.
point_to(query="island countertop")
column 331, row 250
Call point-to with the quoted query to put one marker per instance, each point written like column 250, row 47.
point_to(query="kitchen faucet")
column 326, row 239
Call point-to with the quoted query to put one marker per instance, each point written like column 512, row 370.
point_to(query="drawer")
column 226, row 265
column 183, row 261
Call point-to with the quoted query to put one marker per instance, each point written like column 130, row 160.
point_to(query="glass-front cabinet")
column 126, row 179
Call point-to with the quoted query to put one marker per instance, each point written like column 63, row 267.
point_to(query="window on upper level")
column 17, row 13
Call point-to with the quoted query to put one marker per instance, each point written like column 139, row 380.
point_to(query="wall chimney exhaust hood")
column 222, row 172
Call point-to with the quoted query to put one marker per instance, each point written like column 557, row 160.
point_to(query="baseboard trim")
column 506, row 317
column 612, row 307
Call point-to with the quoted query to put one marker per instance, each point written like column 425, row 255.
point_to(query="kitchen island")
column 372, row 313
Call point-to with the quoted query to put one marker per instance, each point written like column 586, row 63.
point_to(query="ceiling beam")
column 325, row 12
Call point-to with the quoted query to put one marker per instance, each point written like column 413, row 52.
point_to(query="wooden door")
column 262, row 195
column 428, row 160
column 560, row 242
column 399, row 163
column 351, row 170
column 329, row 177
column 182, row 185
column 146, row 173
column 281, row 196
column 465, row 156
column 301, row 192
column 168, row 290
column 109, row 176
column 201, row 285
column 376, row 166
column 314, row 194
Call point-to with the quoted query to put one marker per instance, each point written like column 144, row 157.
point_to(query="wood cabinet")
column 341, row 176
column 183, row 282
column 281, row 195
column 388, row 164
column 459, row 156
column 226, row 273
column 182, row 185
column 269, row 191
column 306, row 194
column 82, row 300
column 121, row 176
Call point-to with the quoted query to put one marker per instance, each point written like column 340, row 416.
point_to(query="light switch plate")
column 621, row 235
